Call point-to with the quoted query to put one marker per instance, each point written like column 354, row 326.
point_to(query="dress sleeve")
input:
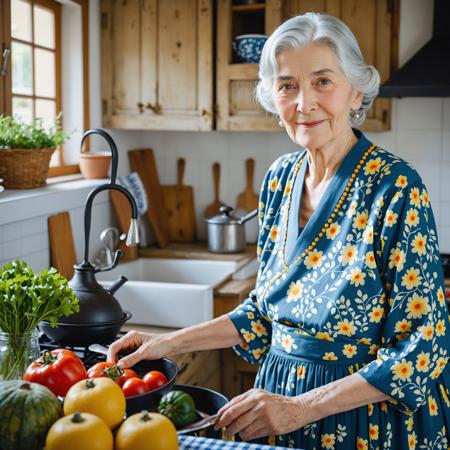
column 250, row 318
column 415, row 344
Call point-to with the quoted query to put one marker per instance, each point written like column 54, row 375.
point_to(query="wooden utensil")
column 143, row 162
column 122, row 210
column 179, row 203
column 248, row 200
column 62, row 248
column 213, row 208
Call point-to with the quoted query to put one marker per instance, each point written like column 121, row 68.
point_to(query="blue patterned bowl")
column 249, row 47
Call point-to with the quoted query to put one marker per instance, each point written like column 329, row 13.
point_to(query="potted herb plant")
column 26, row 150
column 26, row 299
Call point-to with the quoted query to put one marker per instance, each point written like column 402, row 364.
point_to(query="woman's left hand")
column 258, row 413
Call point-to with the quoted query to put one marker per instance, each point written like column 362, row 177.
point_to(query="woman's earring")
column 356, row 115
column 281, row 123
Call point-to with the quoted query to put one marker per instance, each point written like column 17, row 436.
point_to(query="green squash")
column 179, row 407
column 27, row 411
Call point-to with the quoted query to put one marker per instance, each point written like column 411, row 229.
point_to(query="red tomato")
column 134, row 386
column 58, row 370
column 155, row 379
column 128, row 373
column 100, row 366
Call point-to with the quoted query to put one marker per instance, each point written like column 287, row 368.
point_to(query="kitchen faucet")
column 133, row 233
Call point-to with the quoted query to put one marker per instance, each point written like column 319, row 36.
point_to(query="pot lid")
column 226, row 218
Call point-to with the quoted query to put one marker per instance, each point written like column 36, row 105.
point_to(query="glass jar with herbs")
column 26, row 299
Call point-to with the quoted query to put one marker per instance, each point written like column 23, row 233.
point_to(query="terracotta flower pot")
column 95, row 165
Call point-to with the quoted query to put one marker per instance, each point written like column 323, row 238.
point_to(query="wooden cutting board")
column 62, row 248
column 143, row 162
column 179, row 203
column 248, row 199
column 213, row 208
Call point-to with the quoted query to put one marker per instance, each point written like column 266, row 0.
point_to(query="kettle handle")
column 117, row 256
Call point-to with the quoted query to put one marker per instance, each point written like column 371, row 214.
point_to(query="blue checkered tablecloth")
column 199, row 443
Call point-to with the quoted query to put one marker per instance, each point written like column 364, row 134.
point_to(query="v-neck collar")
column 296, row 243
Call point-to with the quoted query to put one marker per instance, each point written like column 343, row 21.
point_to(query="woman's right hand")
column 147, row 345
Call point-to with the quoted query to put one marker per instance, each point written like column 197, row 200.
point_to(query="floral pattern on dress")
column 359, row 289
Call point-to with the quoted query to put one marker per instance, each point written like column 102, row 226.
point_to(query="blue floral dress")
column 359, row 289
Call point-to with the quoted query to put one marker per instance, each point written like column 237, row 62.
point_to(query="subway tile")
column 444, row 209
column 419, row 145
column 445, row 181
column 444, row 239
column 446, row 115
column 32, row 243
column 385, row 140
column 12, row 250
column 415, row 113
column 12, row 231
column 38, row 260
column 446, row 146
column 429, row 171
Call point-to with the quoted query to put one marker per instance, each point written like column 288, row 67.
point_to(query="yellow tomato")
column 99, row 396
column 147, row 431
column 79, row 431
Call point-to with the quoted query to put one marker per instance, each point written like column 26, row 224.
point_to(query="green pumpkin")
column 179, row 407
column 27, row 411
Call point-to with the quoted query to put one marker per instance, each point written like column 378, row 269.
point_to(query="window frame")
column 5, row 36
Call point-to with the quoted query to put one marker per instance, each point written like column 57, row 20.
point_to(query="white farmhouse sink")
column 169, row 292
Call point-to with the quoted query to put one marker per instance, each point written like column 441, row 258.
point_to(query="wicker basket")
column 24, row 168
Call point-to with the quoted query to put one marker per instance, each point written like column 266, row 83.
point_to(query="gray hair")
column 324, row 29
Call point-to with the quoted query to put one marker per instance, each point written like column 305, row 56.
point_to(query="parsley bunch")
column 27, row 298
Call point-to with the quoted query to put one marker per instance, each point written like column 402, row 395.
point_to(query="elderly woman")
column 348, row 318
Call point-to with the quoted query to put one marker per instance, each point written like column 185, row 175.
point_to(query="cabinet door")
column 236, row 107
column 373, row 23
column 157, row 64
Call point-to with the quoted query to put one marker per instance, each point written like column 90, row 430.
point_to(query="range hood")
column 427, row 73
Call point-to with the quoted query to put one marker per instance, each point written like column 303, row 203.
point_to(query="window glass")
column 46, row 109
column 22, row 108
column 44, row 27
column 21, row 20
column 22, row 82
column 44, row 72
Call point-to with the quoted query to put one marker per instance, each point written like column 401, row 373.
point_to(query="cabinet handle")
column 6, row 53
column 156, row 108
column 140, row 105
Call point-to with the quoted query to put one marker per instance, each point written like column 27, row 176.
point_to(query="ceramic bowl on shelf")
column 249, row 47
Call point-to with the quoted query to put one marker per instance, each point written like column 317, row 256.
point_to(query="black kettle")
column 100, row 316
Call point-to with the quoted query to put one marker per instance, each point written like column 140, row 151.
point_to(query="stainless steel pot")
column 226, row 232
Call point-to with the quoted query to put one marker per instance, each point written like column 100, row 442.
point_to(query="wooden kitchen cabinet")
column 374, row 23
column 157, row 64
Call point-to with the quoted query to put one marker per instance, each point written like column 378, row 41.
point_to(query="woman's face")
column 313, row 97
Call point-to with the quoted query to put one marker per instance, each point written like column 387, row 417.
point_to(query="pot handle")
column 248, row 216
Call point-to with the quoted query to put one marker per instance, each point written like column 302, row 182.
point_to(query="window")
column 35, row 58
column 37, row 85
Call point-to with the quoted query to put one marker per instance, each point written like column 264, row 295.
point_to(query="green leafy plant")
column 26, row 299
column 16, row 134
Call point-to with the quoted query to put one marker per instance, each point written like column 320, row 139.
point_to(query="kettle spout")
column 117, row 284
